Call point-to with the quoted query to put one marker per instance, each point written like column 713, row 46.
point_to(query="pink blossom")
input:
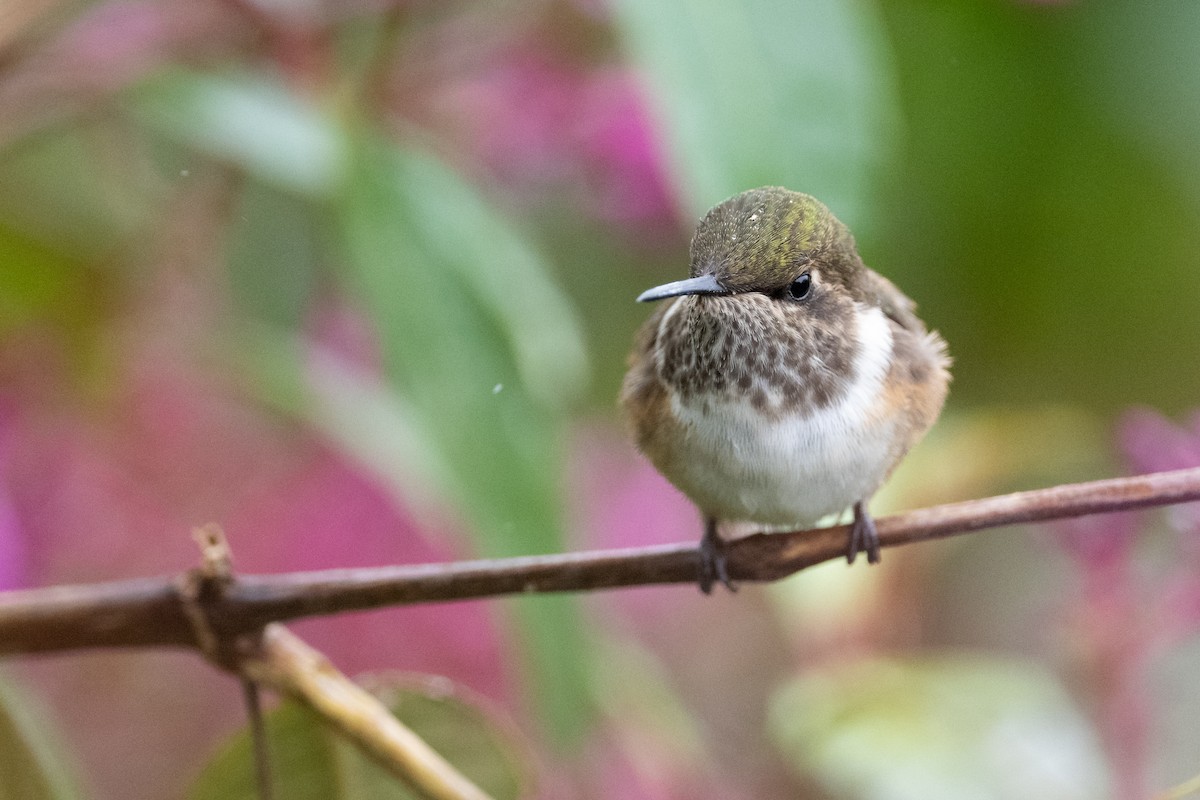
column 1153, row 443
column 552, row 127
column 12, row 545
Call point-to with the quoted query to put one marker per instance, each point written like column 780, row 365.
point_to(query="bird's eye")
column 801, row 287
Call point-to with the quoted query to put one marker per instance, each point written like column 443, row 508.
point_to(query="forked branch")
column 152, row 611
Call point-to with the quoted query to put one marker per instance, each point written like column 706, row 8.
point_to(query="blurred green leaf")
column 38, row 283
column 952, row 727
column 460, row 726
column 638, row 692
column 453, row 349
column 506, row 277
column 32, row 764
column 310, row 760
column 76, row 190
column 274, row 254
column 480, row 348
column 302, row 761
column 249, row 120
column 768, row 92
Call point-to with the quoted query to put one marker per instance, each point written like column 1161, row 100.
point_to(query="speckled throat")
column 763, row 351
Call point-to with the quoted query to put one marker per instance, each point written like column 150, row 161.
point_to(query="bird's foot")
column 863, row 536
column 714, row 566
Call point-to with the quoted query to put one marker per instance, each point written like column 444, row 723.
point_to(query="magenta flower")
column 551, row 128
column 1152, row 443
column 1120, row 621
column 12, row 545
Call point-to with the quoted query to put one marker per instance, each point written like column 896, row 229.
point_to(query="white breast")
column 792, row 469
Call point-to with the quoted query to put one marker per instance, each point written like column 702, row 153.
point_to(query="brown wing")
column 895, row 304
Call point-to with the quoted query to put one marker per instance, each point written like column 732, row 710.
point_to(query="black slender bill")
column 702, row 284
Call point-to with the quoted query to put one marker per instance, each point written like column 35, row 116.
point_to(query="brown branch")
column 274, row 657
column 151, row 611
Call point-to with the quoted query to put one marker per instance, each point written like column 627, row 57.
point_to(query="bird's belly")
column 739, row 464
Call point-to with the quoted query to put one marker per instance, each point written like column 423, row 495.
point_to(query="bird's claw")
column 863, row 536
column 714, row 566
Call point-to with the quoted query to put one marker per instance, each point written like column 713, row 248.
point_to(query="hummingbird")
column 784, row 380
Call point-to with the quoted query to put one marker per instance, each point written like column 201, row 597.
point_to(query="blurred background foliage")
column 355, row 280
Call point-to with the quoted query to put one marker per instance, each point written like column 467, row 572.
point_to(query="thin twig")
column 150, row 611
column 258, row 734
column 290, row 666
column 274, row 657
